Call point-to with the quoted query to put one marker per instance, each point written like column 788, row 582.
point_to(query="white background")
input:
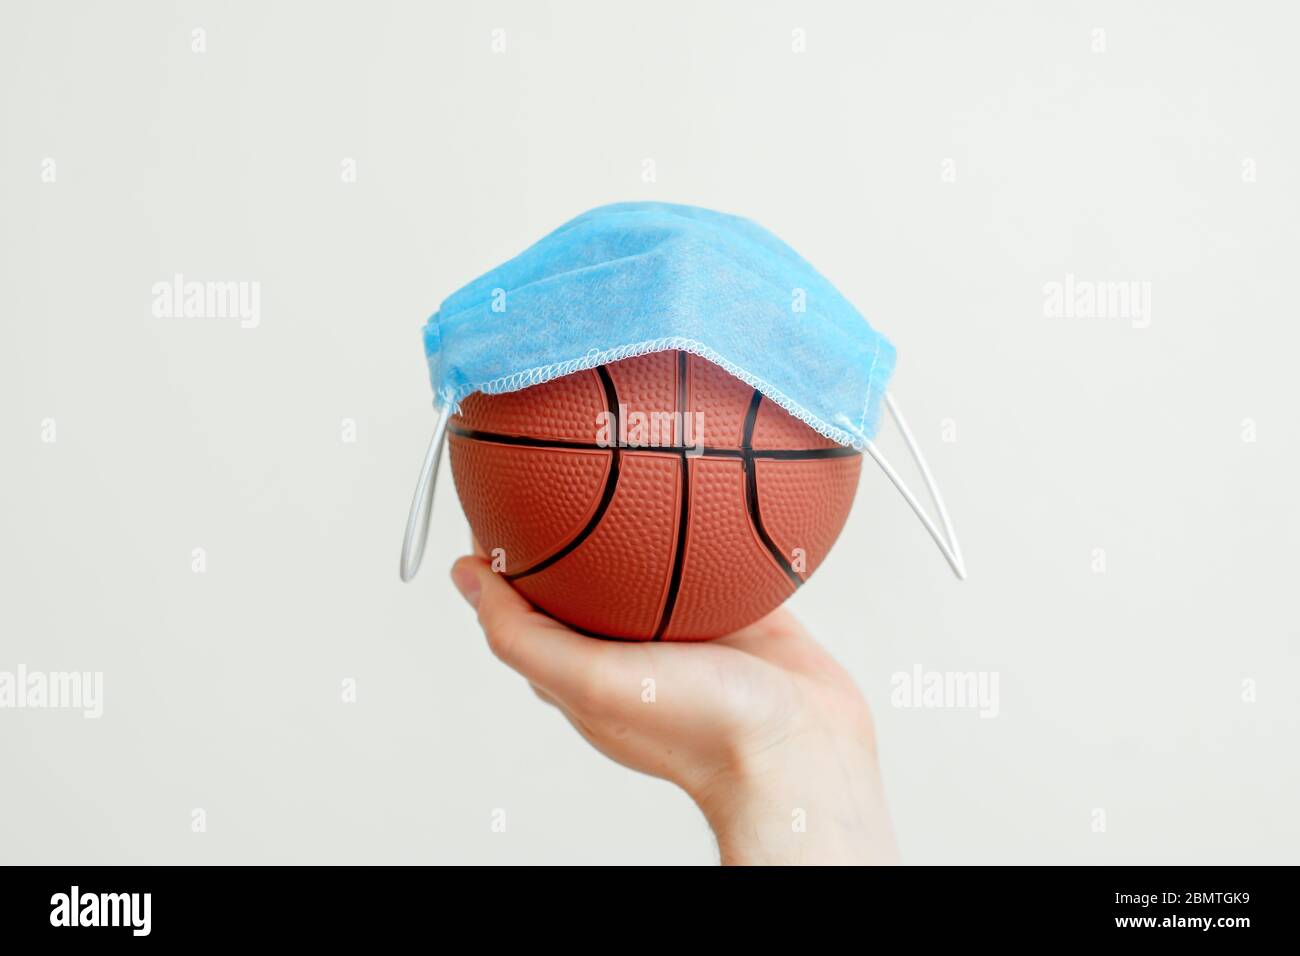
column 1120, row 691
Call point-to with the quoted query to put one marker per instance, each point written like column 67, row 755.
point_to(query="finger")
column 565, row 664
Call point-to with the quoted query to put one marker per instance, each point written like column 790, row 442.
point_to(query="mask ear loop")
column 417, row 522
column 947, row 540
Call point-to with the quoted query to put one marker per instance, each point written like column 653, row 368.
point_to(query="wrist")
column 814, row 799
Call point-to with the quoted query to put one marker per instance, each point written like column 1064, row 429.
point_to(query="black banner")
column 1170, row 906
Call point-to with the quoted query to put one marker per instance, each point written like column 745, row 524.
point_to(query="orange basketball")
column 655, row 498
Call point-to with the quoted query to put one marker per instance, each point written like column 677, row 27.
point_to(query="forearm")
column 815, row 802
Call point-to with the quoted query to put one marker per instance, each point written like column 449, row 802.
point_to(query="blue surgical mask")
column 632, row 278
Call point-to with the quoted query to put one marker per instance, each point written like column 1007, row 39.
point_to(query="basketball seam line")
column 607, row 496
column 751, row 491
column 679, row 552
column 557, row 444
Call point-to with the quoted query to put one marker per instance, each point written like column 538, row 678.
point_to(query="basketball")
column 654, row 498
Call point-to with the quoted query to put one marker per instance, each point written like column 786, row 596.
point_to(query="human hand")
column 762, row 728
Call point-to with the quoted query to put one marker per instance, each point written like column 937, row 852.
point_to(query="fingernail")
column 466, row 582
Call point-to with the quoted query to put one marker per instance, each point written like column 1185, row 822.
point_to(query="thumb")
column 543, row 650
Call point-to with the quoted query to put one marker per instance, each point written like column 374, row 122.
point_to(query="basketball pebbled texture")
column 654, row 542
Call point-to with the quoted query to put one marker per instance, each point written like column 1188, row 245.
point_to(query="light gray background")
column 1120, row 691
